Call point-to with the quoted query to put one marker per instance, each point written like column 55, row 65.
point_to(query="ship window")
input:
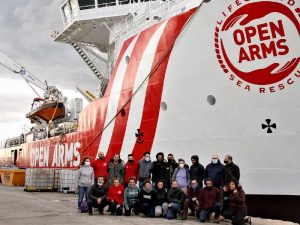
column 123, row 2
column 104, row 3
column 163, row 106
column 86, row 4
column 127, row 59
column 211, row 99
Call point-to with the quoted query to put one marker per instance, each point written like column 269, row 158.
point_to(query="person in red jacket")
column 100, row 166
column 131, row 170
column 209, row 201
column 116, row 197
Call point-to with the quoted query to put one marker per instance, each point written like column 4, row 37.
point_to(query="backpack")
column 84, row 206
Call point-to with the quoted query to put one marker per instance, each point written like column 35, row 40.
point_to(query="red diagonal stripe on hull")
column 156, row 82
column 127, row 91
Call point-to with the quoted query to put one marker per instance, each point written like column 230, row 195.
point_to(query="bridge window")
column 86, row 4
column 104, row 3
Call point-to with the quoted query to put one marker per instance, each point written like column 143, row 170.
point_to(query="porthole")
column 123, row 112
column 163, row 106
column 127, row 59
column 211, row 100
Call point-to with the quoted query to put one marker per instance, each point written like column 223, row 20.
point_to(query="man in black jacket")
column 175, row 199
column 97, row 195
column 159, row 170
column 231, row 171
column 197, row 171
column 171, row 166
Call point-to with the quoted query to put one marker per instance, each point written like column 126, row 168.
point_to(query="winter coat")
column 193, row 193
column 197, row 172
column 208, row 197
column 145, row 168
column 231, row 171
column 187, row 173
column 216, row 173
column 237, row 200
column 170, row 168
column 116, row 194
column 115, row 171
column 146, row 197
column 176, row 195
column 97, row 191
column 131, row 170
column 85, row 176
column 131, row 197
column 159, row 171
column 100, row 167
column 161, row 196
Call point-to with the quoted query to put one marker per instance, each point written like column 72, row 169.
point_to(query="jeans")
column 147, row 209
column 204, row 214
column 82, row 191
column 173, row 210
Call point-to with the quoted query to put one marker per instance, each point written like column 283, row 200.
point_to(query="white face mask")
column 100, row 184
column 214, row 161
column 87, row 163
column 181, row 165
column 147, row 158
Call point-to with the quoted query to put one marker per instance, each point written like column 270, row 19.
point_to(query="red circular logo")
column 259, row 42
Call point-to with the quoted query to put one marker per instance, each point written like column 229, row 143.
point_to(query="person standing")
column 147, row 199
column 215, row 171
column 131, row 170
column 232, row 171
column 197, row 171
column 171, row 166
column 175, row 199
column 131, row 197
column 97, row 196
column 159, row 170
column 191, row 200
column 145, row 168
column 209, row 201
column 84, row 180
column 100, row 166
column 238, row 209
column 116, row 197
column 115, row 170
column 182, row 175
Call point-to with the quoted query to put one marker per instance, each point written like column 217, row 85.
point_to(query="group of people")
column 164, row 188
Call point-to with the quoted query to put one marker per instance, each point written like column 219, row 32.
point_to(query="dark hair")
column 116, row 178
column 102, row 177
column 160, row 181
column 145, row 153
column 195, row 157
column 235, row 181
column 160, row 154
column 132, row 178
column 130, row 154
column 229, row 157
column 146, row 181
column 170, row 154
column 182, row 160
column 84, row 159
column 174, row 181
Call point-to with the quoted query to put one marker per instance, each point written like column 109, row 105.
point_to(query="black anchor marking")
column 269, row 126
column 139, row 136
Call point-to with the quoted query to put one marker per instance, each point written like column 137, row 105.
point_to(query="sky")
column 25, row 28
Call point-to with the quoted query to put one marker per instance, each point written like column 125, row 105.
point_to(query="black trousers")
column 93, row 203
column 114, row 210
column 147, row 209
column 135, row 207
column 237, row 216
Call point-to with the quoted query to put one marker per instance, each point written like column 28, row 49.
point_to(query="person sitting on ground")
column 191, row 200
column 115, row 197
column 97, row 196
column 182, row 175
column 131, row 198
column 175, row 199
column 84, row 180
column 209, row 201
column 161, row 205
column 147, row 199
column 115, row 170
column 131, row 170
column 100, row 166
column 225, row 198
column 238, row 209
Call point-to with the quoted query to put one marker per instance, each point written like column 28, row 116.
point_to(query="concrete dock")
column 45, row 208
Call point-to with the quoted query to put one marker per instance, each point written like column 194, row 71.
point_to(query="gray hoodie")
column 85, row 176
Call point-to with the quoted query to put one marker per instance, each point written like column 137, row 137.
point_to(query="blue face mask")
column 214, row 161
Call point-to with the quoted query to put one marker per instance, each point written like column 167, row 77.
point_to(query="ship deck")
column 19, row 207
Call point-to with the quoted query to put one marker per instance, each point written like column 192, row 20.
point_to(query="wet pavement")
column 45, row 208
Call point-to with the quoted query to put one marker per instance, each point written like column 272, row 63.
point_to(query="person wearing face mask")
column 145, row 168
column 115, row 170
column 232, row 171
column 209, row 201
column 197, row 170
column 175, row 199
column 100, row 166
column 131, row 170
column 131, row 197
column 191, row 200
column 215, row 171
column 171, row 166
column 182, row 175
column 97, row 195
column 84, row 180
column 147, row 198
column 159, row 171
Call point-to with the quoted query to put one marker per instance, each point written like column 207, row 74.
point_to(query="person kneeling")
column 97, row 195
column 191, row 200
column 238, row 209
column 176, row 199
column 209, row 201
column 115, row 196
column 131, row 197
column 147, row 197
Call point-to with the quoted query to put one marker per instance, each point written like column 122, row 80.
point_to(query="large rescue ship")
column 188, row 77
